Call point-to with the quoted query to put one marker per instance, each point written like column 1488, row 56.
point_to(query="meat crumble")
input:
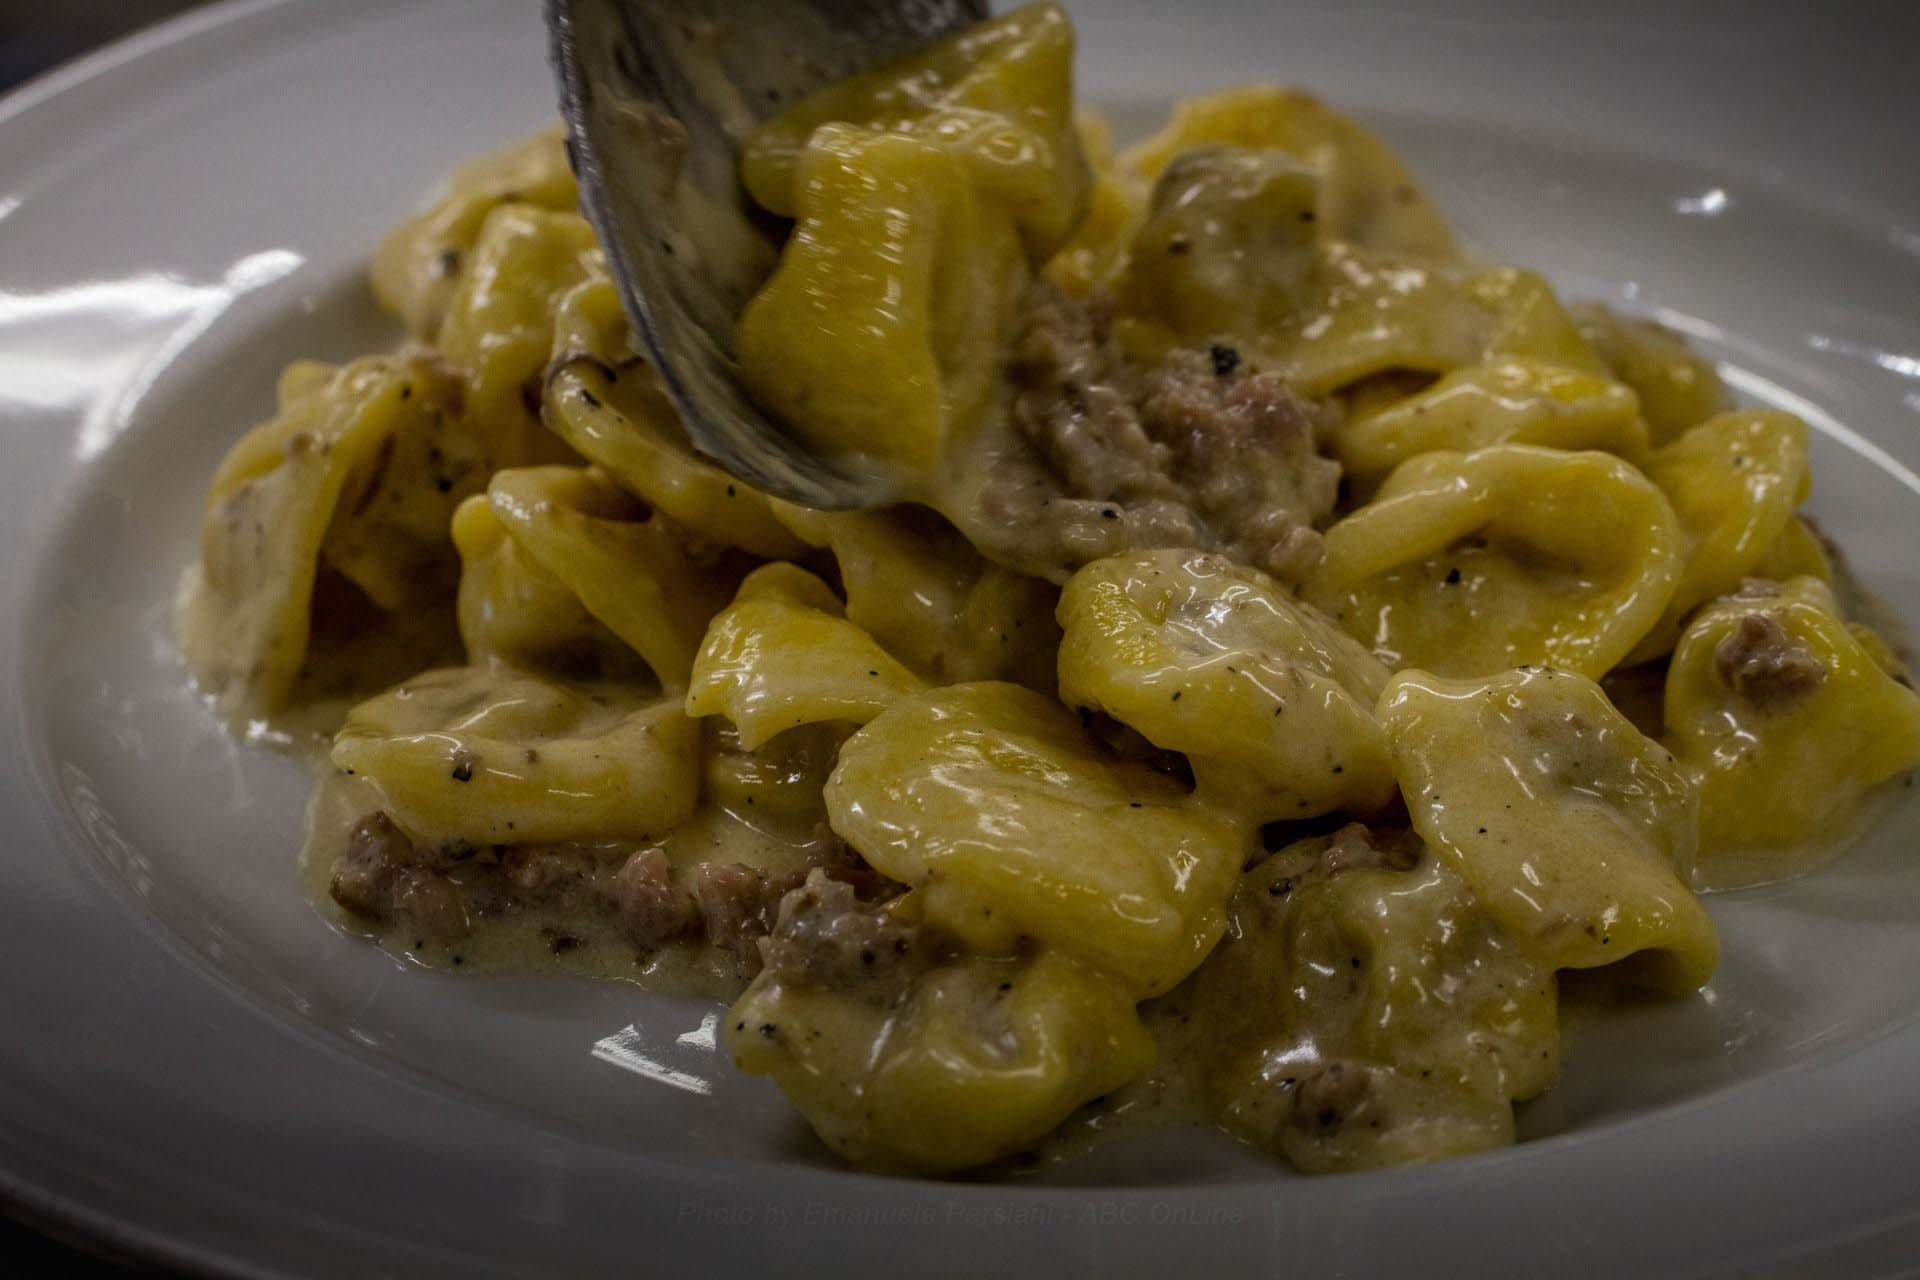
column 653, row 908
column 1767, row 664
column 383, row 876
column 1201, row 450
column 439, row 894
column 738, row 904
column 826, row 936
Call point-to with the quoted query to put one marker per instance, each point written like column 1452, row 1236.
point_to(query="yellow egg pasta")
column 1575, row 831
column 875, row 337
column 573, row 528
column 1734, row 481
column 1796, row 553
column 499, row 322
column 1677, row 389
column 512, row 611
column 1000, row 97
column 1366, row 194
column 914, row 584
column 1231, row 249
column 603, row 400
column 1468, row 564
column 784, row 655
column 925, row 193
column 1365, row 1010
column 419, row 266
column 1514, row 401
column 903, row 1081
column 994, row 803
column 1271, row 703
column 477, row 756
column 355, row 478
column 1788, row 719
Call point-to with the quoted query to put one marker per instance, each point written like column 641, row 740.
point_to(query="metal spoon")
column 658, row 96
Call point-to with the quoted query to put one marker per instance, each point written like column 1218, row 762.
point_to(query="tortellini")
column 1788, row 718
column 915, row 585
column 784, row 655
column 1513, row 401
column 1734, row 481
column 1576, row 832
column 418, row 267
column 1364, row 1010
column 603, row 400
column 1366, row 195
column 1270, row 701
column 779, row 782
column 499, row 323
column 356, row 477
column 1229, row 244
column 476, row 756
column 1467, row 564
column 977, row 1060
column 1526, row 319
column 1000, row 96
column 513, row 612
column 1676, row 388
column 877, row 337
column 998, row 809
column 1231, row 249
column 1265, row 147
column 1796, row 553
column 545, row 536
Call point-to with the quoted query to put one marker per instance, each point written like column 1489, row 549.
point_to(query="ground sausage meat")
column 383, row 877
column 826, row 936
column 566, row 877
column 1767, row 664
column 1202, row 450
column 737, row 904
column 441, row 893
column 653, row 908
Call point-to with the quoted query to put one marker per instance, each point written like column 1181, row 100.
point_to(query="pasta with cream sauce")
column 1236, row 706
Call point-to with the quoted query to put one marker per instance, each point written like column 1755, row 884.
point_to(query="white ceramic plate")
column 194, row 1064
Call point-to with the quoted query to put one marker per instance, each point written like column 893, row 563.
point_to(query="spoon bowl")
column 658, row 97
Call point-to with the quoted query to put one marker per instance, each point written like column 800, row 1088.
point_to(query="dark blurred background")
column 37, row 34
